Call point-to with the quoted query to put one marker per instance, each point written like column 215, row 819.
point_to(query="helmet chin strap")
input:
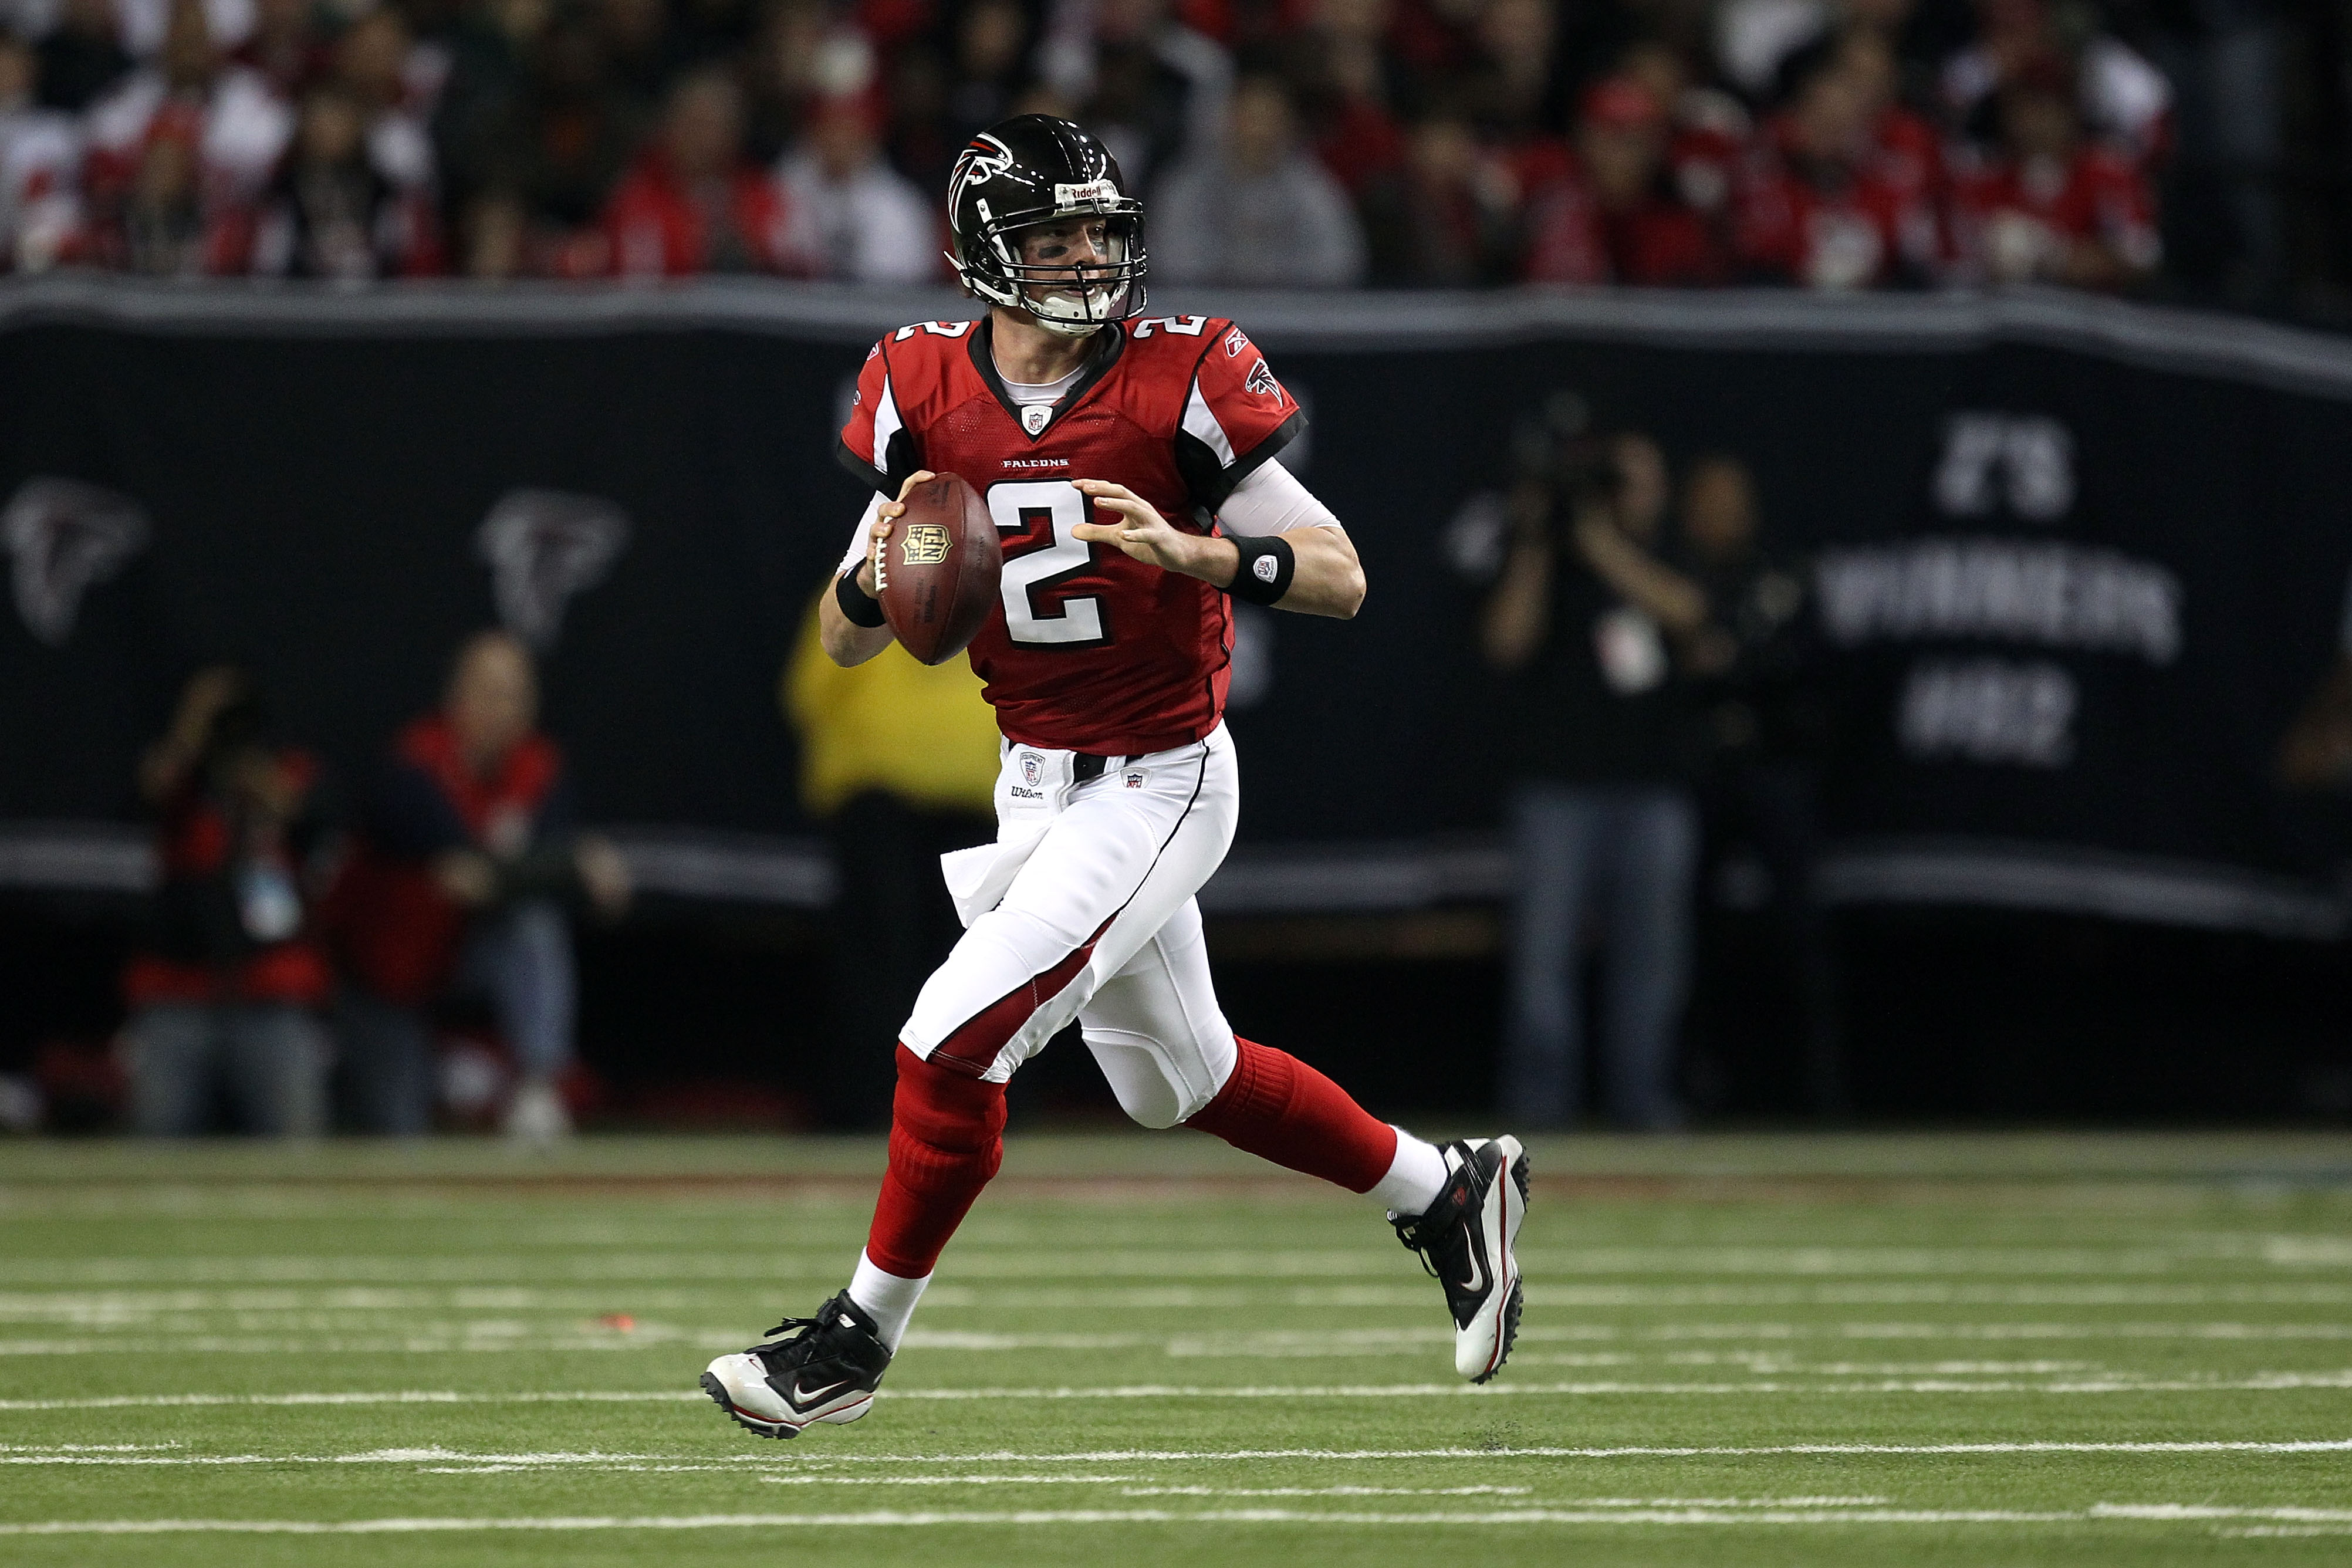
column 1084, row 326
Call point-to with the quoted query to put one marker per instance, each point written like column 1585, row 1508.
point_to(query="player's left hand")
column 1140, row 530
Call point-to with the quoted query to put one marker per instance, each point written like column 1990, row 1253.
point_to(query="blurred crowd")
column 309, row 936
column 1827, row 143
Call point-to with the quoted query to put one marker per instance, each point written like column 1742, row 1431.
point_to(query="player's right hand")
column 888, row 512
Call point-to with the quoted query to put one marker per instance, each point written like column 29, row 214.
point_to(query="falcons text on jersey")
column 1089, row 649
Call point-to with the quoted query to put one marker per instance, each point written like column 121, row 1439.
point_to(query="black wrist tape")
column 1268, row 565
column 861, row 610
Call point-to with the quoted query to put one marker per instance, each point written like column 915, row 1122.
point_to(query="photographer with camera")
column 1601, row 818
column 225, row 984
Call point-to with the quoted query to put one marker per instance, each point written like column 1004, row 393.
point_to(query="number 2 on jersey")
column 1017, row 507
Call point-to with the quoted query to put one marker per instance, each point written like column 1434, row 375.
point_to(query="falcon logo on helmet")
column 1034, row 169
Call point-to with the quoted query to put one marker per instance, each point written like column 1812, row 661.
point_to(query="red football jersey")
column 1087, row 650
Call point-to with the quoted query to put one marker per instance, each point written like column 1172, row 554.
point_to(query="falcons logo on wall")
column 543, row 546
column 63, row 537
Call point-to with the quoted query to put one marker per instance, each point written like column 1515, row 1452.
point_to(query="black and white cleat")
column 827, row 1370
column 1466, row 1240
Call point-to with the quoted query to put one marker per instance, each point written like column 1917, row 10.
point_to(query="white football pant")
column 1083, row 908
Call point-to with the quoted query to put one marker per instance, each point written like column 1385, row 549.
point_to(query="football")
column 937, row 574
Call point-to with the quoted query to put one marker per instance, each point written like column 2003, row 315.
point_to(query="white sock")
column 1415, row 1177
column 888, row 1298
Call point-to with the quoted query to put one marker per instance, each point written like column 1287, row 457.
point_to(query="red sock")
column 947, row 1138
column 1280, row 1109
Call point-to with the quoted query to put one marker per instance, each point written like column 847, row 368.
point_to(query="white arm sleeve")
column 865, row 526
column 1272, row 500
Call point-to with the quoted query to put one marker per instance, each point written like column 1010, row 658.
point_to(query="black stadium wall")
column 2077, row 565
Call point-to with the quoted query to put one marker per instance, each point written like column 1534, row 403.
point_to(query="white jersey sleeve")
column 857, row 551
column 1271, row 501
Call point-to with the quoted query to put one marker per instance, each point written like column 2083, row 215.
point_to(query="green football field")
column 1148, row 1349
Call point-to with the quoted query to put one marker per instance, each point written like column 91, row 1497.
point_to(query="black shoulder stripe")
column 1211, row 483
column 1282, row 436
column 864, row 472
column 1205, row 479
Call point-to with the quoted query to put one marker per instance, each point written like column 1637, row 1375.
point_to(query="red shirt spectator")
column 1705, row 153
column 238, row 823
column 1907, row 150
column 692, row 203
column 164, row 225
column 1610, row 218
column 1349, row 90
column 1433, row 38
column 472, row 815
column 398, row 925
column 1707, row 129
column 1361, row 141
column 233, row 120
column 1821, row 203
column 2052, row 206
column 1446, row 217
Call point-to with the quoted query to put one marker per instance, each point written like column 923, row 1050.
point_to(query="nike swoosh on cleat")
column 802, row 1396
column 1477, row 1281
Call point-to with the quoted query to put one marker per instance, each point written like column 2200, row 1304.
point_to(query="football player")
column 1129, row 464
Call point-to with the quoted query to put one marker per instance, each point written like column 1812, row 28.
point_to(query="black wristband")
column 1268, row 565
column 855, row 604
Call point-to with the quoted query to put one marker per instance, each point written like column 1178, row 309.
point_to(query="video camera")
column 1557, row 446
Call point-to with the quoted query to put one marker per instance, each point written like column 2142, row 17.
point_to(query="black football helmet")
column 1030, row 169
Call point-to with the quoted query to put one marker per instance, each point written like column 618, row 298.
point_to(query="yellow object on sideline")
column 919, row 732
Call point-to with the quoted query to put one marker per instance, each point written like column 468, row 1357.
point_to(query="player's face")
column 1082, row 244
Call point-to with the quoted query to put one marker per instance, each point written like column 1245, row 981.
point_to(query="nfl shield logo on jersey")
column 1034, row 418
column 1032, row 768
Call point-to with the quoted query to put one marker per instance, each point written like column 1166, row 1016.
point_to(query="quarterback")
column 1130, row 464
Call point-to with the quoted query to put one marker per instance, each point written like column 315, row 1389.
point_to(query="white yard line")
column 402, row 1396
column 833, row 1457
column 1076, row 1293
column 412, row 1338
column 2255, row 1531
column 2258, row 1383
column 2254, row 1383
column 540, row 1266
column 1930, row 1294
column 1741, row 1516
column 209, row 1344
column 139, row 1312
column 1131, row 1455
column 989, row 1480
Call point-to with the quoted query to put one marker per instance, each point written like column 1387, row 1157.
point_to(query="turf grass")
column 1150, row 1350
